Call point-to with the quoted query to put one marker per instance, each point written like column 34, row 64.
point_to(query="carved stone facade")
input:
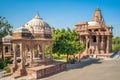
column 96, row 35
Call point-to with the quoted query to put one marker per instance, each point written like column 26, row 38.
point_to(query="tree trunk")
column 67, row 57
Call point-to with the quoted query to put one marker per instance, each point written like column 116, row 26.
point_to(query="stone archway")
column 37, row 51
column 27, row 52
column 6, row 49
column 40, row 52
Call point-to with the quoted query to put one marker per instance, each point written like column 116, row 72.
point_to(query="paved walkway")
column 89, row 70
column 95, row 70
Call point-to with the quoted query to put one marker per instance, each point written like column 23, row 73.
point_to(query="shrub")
column 5, row 63
column 8, row 61
column 2, row 65
column 7, row 69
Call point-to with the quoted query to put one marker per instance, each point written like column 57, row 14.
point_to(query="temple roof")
column 7, row 38
column 22, row 29
column 37, row 15
column 37, row 25
column 97, row 15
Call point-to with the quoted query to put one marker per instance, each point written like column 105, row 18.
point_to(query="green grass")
column 59, row 58
column 116, row 47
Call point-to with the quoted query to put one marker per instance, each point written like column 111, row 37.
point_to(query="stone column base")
column 102, row 52
column 13, row 68
column 21, row 72
column 96, row 52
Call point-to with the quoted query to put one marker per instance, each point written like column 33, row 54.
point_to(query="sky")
column 60, row 13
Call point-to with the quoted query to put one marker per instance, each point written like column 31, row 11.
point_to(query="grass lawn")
column 59, row 58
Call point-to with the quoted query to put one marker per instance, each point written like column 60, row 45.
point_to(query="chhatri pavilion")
column 26, row 47
column 96, row 35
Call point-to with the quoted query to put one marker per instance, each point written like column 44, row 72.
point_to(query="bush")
column 2, row 65
column 8, row 61
column 7, row 69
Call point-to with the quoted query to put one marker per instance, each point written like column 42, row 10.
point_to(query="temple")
column 27, row 47
column 96, row 35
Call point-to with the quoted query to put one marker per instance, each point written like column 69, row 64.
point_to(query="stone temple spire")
column 97, row 15
column 37, row 15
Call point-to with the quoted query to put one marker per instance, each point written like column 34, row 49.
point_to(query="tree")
column 47, row 51
column 116, row 43
column 66, row 42
column 5, row 27
column 116, row 47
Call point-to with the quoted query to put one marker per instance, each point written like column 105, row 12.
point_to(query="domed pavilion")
column 27, row 47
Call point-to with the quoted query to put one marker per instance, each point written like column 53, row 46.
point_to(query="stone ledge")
column 41, row 71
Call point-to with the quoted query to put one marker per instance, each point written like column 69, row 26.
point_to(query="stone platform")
column 37, row 69
column 43, row 70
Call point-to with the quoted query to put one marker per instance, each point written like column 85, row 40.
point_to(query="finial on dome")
column 37, row 15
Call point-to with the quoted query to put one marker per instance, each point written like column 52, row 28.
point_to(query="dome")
column 38, row 25
column 22, row 30
column 7, row 38
column 92, row 23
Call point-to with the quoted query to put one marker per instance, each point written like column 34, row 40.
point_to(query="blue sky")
column 60, row 13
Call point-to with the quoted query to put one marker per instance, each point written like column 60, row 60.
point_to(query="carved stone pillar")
column 108, row 44
column 25, row 53
column 86, row 44
column 3, row 52
column 21, row 56
column 90, row 40
column 10, row 49
column 97, row 45
column 21, row 70
column 14, row 67
column 38, row 50
column 31, row 53
column 14, row 58
column 103, row 44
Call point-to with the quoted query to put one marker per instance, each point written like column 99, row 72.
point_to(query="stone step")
column 18, row 73
column 5, row 75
